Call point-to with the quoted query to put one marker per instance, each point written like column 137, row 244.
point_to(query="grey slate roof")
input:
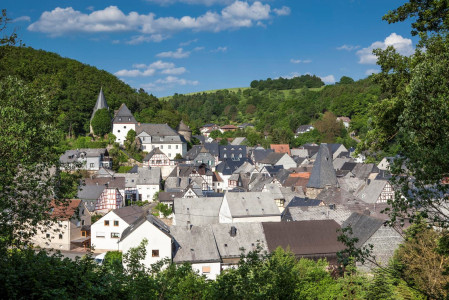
column 363, row 226
column 90, row 192
column 229, row 166
column 149, row 176
column 129, row 214
column 156, row 129
column 272, row 158
column 231, row 151
column 371, row 192
column 194, row 245
column 124, row 115
column 114, row 182
column 323, row 173
column 153, row 152
column 251, row 204
column 247, row 236
column 197, row 211
column 304, row 213
column 100, row 104
column 146, row 218
column 260, row 154
column 364, row 170
column 302, row 201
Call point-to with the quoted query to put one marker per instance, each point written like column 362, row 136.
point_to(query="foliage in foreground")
column 259, row 276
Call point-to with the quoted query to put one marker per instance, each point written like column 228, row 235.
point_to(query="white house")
column 122, row 122
column 249, row 207
column 148, row 183
column 107, row 231
column 160, row 241
column 163, row 137
column 196, row 245
column 86, row 159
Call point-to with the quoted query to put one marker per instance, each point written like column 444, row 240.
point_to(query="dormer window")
column 119, row 119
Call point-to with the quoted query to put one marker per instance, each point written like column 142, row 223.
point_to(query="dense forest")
column 308, row 81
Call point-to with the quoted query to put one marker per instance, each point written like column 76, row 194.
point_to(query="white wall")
column 168, row 149
column 107, row 242
column 147, row 191
column 214, row 269
column 121, row 130
column 257, row 219
column 157, row 240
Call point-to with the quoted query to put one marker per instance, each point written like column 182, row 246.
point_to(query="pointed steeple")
column 100, row 104
column 323, row 172
column 124, row 115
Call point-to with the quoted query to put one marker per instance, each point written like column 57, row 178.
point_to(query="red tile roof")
column 281, row 148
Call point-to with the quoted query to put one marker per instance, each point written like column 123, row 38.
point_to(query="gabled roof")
column 146, row 218
column 260, row 154
column 149, row 176
column 251, row 204
column 273, row 170
column 197, row 211
column 90, row 192
column 66, row 209
column 160, row 130
column 153, row 152
column 100, row 104
column 304, row 213
column 183, row 127
column 372, row 191
column 129, row 214
column 363, row 226
column 195, row 244
column 246, row 238
column 314, row 238
column 300, row 201
column 111, row 183
column 167, row 196
column 229, row 166
column 364, row 170
column 323, row 173
column 124, row 115
column 272, row 158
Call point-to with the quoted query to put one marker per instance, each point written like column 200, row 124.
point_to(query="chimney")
column 233, row 231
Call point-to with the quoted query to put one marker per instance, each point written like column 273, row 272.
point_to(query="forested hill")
column 273, row 109
column 73, row 88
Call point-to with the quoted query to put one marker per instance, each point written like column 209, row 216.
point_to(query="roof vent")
column 233, row 231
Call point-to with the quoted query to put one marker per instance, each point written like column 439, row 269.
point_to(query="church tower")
column 100, row 104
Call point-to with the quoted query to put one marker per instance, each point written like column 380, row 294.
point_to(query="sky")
column 184, row 46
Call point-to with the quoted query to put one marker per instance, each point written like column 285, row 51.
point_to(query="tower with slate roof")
column 323, row 173
column 123, row 121
column 100, row 104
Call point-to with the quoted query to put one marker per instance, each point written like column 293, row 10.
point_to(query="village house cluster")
column 225, row 199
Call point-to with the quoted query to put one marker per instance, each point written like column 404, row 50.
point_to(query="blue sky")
column 183, row 46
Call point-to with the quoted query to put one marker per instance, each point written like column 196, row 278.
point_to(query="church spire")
column 100, row 104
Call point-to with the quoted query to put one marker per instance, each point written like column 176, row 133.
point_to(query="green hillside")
column 73, row 88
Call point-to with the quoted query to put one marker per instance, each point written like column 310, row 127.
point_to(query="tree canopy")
column 101, row 122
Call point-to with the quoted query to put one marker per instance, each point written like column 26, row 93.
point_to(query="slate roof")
column 183, row 127
column 274, row 190
column 314, row 238
column 273, row 170
column 213, row 148
column 176, row 184
column 260, row 154
column 100, row 104
column 161, row 130
column 129, row 214
column 301, row 152
column 336, row 196
column 302, row 201
column 272, row 158
column 194, row 245
column 363, row 226
column 371, row 192
column 150, row 218
column 238, row 141
column 149, row 176
column 229, row 166
column 304, row 213
column 90, row 204
column 251, row 204
column 247, row 236
column 246, row 167
column 323, row 173
column 124, row 116
column 90, row 192
column 112, row 183
column 364, row 170
column 201, row 138
column 231, row 151
column 282, row 175
column 198, row 211
column 340, row 161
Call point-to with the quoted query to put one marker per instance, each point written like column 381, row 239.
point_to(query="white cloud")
column 188, row 42
column 219, row 49
column 329, row 79
column 371, row 71
column 173, row 80
column 203, row 2
column 179, row 53
column 402, row 45
column 348, row 47
column 174, row 71
column 67, row 20
column 22, row 19
column 284, row 11
column 299, row 61
column 143, row 70
column 91, row 8
column 198, row 49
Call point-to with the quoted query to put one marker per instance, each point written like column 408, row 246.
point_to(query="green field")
column 240, row 88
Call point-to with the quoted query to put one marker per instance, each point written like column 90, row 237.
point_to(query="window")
column 115, row 223
column 92, row 165
column 155, row 253
column 78, row 223
column 106, row 223
column 82, row 222
column 60, row 236
column 176, row 146
column 47, row 235
column 119, row 132
column 129, row 119
column 206, row 269
column 82, row 212
column 100, row 235
column 124, row 127
column 169, row 146
column 115, row 235
column 83, row 233
column 162, row 146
